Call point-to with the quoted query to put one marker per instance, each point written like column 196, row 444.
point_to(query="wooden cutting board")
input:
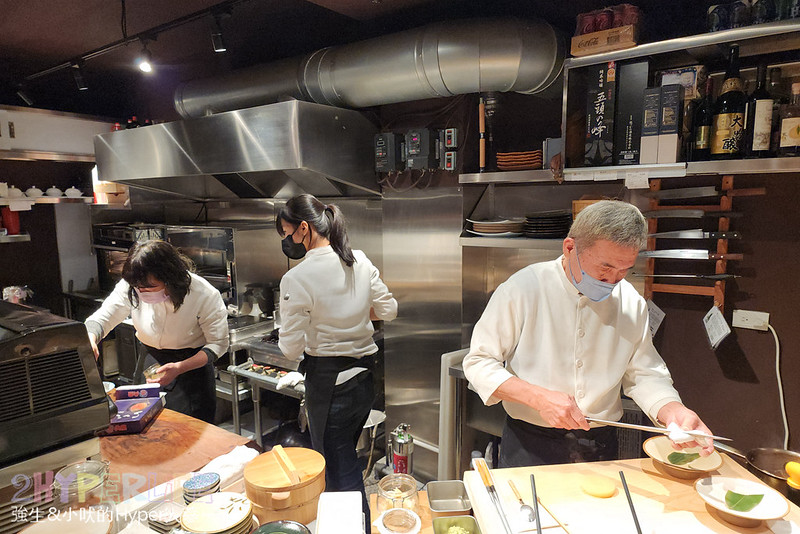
column 664, row 505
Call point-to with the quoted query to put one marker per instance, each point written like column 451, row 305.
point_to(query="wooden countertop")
column 173, row 445
column 664, row 505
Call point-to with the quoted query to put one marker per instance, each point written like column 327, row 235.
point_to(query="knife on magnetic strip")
column 685, row 192
column 689, row 254
column 715, row 277
column 696, row 234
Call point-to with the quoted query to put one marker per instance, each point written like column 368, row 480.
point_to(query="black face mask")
column 294, row 251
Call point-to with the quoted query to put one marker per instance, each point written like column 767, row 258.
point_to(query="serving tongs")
column 657, row 430
column 483, row 470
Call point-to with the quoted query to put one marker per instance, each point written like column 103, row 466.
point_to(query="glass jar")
column 80, row 485
column 397, row 490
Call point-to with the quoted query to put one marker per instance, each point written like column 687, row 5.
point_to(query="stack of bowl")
column 200, row 485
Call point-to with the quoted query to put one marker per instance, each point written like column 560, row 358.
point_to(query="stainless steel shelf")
column 19, row 238
column 619, row 172
column 64, row 200
column 744, row 166
column 695, row 43
column 512, row 242
column 509, row 177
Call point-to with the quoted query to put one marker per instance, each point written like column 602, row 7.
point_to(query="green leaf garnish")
column 682, row 458
column 742, row 503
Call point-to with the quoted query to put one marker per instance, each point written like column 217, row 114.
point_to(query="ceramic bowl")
column 713, row 490
column 54, row 192
column 34, row 192
column 14, row 192
column 73, row 192
column 284, row 526
column 659, row 448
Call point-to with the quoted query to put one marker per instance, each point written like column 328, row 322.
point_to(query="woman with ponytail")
column 327, row 303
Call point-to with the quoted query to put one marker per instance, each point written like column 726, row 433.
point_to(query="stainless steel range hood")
column 273, row 151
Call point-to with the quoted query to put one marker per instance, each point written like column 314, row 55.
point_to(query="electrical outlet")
column 753, row 320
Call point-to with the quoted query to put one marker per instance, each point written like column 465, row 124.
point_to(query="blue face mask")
column 591, row 287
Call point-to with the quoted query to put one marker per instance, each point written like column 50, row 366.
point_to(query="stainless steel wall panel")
column 422, row 259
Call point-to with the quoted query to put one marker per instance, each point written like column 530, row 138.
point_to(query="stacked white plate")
column 219, row 513
column 498, row 227
column 165, row 516
column 200, row 485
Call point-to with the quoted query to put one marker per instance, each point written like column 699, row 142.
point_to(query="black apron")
column 320, row 381
column 193, row 392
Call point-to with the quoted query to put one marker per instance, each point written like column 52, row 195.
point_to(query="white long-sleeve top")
column 539, row 327
column 325, row 306
column 201, row 321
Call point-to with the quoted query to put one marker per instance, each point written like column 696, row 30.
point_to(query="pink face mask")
column 152, row 297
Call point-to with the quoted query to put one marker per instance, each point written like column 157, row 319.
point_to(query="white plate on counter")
column 713, row 490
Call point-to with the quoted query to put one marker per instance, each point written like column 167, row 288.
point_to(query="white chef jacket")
column 539, row 327
column 325, row 306
column 201, row 321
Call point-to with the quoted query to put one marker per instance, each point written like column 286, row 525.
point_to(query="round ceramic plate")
column 713, row 491
column 659, row 448
column 218, row 512
column 500, row 234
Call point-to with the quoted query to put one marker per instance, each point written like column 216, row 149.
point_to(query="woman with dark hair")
column 326, row 305
column 178, row 316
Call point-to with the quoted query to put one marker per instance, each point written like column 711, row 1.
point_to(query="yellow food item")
column 793, row 470
column 455, row 529
column 598, row 486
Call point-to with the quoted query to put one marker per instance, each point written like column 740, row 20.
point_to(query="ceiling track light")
column 77, row 74
column 145, row 59
column 217, row 40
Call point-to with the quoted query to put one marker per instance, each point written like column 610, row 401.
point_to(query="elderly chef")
column 559, row 340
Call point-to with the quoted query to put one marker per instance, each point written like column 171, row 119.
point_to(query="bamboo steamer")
column 285, row 484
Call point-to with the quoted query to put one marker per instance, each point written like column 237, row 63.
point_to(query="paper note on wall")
column 716, row 327
column 656, row 315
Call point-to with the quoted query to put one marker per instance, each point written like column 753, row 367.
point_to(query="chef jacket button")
column 581, row 333
column 579, row 363
column 580, row 394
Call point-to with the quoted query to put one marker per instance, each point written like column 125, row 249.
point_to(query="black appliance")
column 52, row 393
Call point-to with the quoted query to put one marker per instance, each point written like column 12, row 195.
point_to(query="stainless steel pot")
column 767, row 464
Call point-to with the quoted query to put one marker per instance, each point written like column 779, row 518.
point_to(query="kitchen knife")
column 687, row 214
column 483, row 470
column 699, row 276
column 657, row 430
column 686, row 192
column 689, row 254
column 696, row 234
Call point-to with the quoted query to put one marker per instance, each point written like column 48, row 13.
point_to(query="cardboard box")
column 138, row 391
column 584, row 202
column 601, row 96
column 670, row 126
column 134, row 415
column 651, row 118
column 605, row 40
column 631, row 83
column 693, row 79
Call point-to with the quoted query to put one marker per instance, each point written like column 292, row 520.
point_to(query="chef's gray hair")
column 611, row 220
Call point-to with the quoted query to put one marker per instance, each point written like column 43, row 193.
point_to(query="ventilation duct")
column 440, row 60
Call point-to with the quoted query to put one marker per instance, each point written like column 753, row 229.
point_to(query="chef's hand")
column 686, row 419
column 93, row 342
column 560, row 410
column 289, row 380
column 171, row 371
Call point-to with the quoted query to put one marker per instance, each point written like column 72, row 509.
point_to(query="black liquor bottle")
column 728, row 126
column 758, row 125
column 701, row 124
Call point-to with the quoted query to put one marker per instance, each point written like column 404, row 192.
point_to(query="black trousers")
column 524, row 444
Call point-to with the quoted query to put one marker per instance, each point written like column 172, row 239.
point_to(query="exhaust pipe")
column 439, row 60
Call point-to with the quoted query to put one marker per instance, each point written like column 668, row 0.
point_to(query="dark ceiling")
column 38, row 36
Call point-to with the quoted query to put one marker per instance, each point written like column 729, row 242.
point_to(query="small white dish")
column 34, row 192
column 14, row 192
column 54, row 192
column 73, row 192
column 713, row 490
column 499, row 234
